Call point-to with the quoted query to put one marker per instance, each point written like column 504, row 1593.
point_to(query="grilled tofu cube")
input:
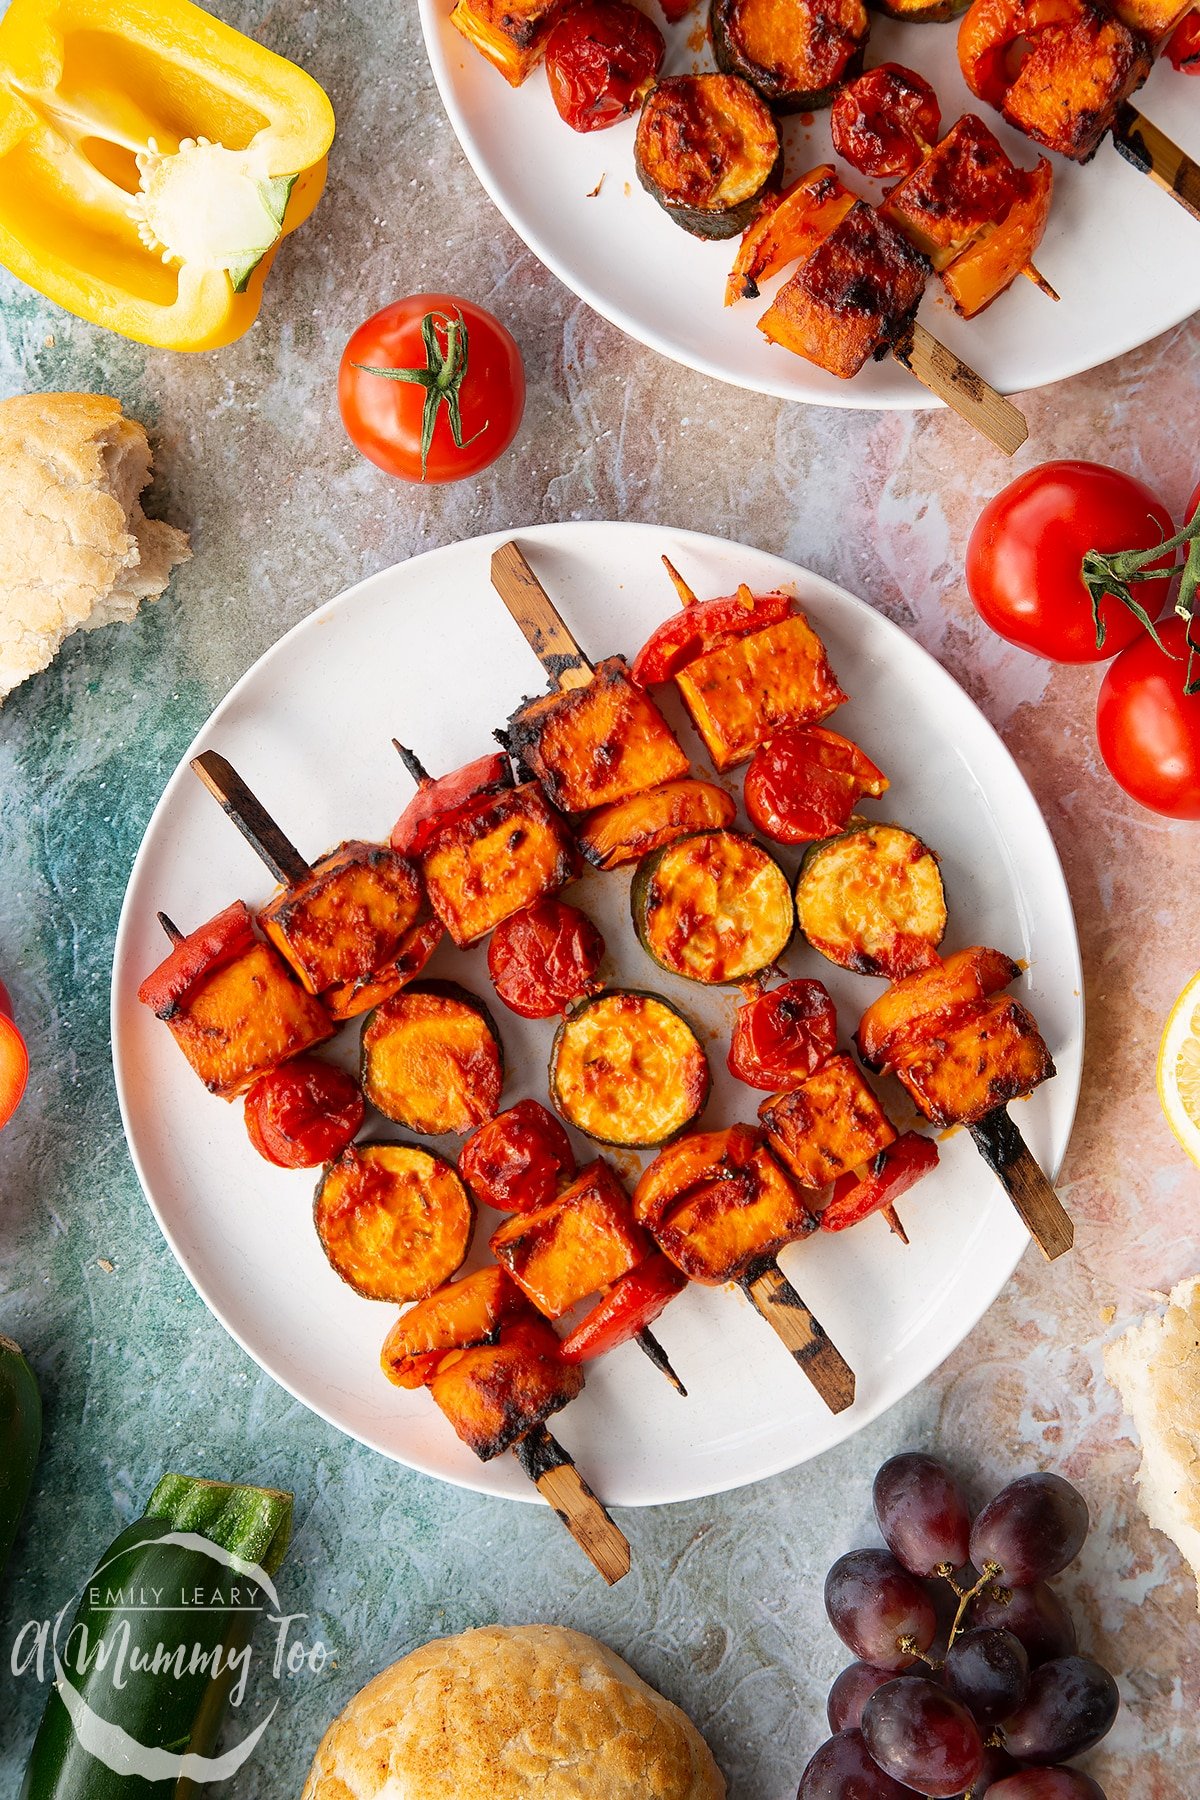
column 828, row 1125
column 717, row 1232
column 494, row 1394
column 510, row 33
column 504, row 852
column 345, row 923
column 244, row 1018
column 741, row 693
column 581, row 1242
column 853, row 299
column 1074, row 74
column 1154, row 19
column 590, row 746
column 976, row 1061
column 964, row 184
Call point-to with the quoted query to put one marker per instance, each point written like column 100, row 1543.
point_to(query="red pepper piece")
column 630, row 1305
column 435, row 800
column 890, row 1174
column 1183, row 49
column 207, row 948
column 543, row 958
column 702, row 626
column 303, row 1113
column 804, row 783
column 518, row 1160
column 781, row 1037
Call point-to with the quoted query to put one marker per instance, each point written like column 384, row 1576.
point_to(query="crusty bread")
column 506, row 1713
column 1155, row 1366
column 76, row 550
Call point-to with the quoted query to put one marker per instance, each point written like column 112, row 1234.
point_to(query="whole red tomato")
column 1148, row 728
column 303, row 1113
column 601, row 59
column 432, row 388
column 1025, row 553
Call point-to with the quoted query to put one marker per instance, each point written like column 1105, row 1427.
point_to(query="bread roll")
column 507, row 1713
column 76, row 550
column 1156, row 1368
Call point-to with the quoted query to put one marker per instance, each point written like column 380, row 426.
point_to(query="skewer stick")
column 1151, row 151
column 1039, row 281
column 171, row 928
column 686, row 595
column 251, row 818
column 1007, row 1154
column 970, row 396
column 647, row 1342
column 412, row 763
column 560, row 1484
column 769, row 1290
column 545, row 631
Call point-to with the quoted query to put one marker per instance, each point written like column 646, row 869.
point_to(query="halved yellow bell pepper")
column 151, row 158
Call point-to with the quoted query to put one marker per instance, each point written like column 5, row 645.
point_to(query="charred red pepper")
column 436, row 799
column 703, row 626
column 543, row 958
column 601, row 61
column 518, row 1160
column 1183, row 47
column 804, row 784
column 782, row 1036
column 630, row 1305
column 885, row 122
column 303, row 1113
column 207, row 948
column 890, row 1174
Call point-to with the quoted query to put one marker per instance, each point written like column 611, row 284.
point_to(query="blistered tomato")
column 885, row 122
column 781, row 1037
column 804, row 783
column 543, row 958
column 601, row 60
column 303, row 1113
column 518, row 1160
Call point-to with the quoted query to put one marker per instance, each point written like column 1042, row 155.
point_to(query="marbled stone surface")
column 723, row 1609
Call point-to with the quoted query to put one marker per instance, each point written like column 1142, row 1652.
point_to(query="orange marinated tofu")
column 743, row 692
column 505, row 852
column 510, row 33
column 976, row 1062
column 590, row 746
column 347, row 921
column 718, row 1232
column 248, row 1016
column 575, row 1246
column 828, row 1125
column 494, row 1394
column 1072, row 78
column 965, row 183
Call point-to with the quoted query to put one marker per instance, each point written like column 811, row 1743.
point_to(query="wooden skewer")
column 1039, row 281
column 251, row 818
column 967, row 393
column 1007, row 1154
column 1151, row 151
column 560, row 1484
column 171, row 928
column 534, row 611
column 768, row 1289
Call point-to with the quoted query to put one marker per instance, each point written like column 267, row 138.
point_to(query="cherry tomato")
column 543, row 958
column 303, row 1113
column 435, row 800
column 1025, row 553
column 431, row 388
column 782, row 1036
column 14, row 1068
column 1148, row 729
column 1183, row 49
column 630, row 1305
column 803, row 783
column 518, row 1160
column 702, row 626
column 890, row 1174
column 601, row 60
column 886, row 121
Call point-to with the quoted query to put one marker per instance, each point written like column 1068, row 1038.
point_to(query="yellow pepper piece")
column 151, row 158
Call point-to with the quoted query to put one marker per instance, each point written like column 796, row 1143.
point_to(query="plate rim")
column 481, row 1481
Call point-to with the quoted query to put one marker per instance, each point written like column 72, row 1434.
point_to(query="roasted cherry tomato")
column 208, row 947
column 803, row 784
column 543, row 958
column 782, row 1036
column 1148, row 728
column 702, row 626
column 1183, row 49
column 601, row 60
column 431, row 388
column 303, row 1113
column 14, row 1061
column 518, row 1160
column 889, row 1175
column 886, row 121
column 630, row 1305
column 436, row 799
column 1026, row 552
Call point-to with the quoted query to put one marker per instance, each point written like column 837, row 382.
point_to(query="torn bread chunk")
column 76, row 549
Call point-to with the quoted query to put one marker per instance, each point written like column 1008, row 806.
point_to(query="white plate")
column 426, row 651
column 1124, row 257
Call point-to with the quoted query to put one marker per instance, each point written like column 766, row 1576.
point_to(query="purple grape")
column 1047, row 1784
column 1071, row 1705
column 923, row 1737
column 850, row 1693
column 922, row 1514
column 879, row 1609
column 1034, row 1614
column 843, row 1769
column 988, row 1670
column 1032, row 1529
column 996, row 1765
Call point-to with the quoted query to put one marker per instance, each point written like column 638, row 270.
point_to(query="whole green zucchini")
column 142, row 1720
column 20, row 1440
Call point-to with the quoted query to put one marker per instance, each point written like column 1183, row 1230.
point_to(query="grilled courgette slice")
column 795, row 53
column 394, row 1220
column 714, row 907
column 707, row 149
column 872, row 900
column 432, row 1059
column 627, row 1068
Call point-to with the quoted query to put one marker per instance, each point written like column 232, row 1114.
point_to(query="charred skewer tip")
column 171, row 928
column 686, row 595
column 412, row 763
column 558, row 1481
column 650, row 1346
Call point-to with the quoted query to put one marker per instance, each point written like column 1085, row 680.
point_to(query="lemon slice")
column 1179, row 1069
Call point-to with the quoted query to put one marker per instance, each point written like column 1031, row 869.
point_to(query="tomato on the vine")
column 1025, row 556
column 432, row 388
column 1148, row 727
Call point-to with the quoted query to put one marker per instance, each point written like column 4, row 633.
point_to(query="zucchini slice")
column 872, row 900
column 714, row 907
column 921, row 12
column 795, row 53
column 633, row 828
column 707, row 149
column 742, row 693
column 590, row 746
column 495, row 857
column 394, row 1220
column 432, row 1059
column 627, row 1069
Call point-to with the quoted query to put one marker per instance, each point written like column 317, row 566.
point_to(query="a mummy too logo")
column 213, row 1642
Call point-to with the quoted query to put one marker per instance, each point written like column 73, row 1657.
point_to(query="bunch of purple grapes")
column 1008, row 1700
